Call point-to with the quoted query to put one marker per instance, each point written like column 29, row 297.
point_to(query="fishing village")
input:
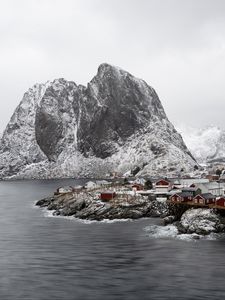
column 193, row 204
column 206, row 192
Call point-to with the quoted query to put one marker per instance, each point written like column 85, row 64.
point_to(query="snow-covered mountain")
column 206, row 145
column 115, row 124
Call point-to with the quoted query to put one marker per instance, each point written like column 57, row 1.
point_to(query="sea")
column 48, row 258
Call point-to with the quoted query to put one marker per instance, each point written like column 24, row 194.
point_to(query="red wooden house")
column 220, row 202
column 204, row 199
column 162, row 182
column 181, row 197
column 107, row 195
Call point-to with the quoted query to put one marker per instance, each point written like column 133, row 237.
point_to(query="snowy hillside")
column 206, row 145
column 115, row 124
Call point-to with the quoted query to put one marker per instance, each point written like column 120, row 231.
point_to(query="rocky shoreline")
column 87, row 205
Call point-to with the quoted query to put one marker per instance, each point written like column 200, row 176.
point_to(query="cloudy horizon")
column 177, row 47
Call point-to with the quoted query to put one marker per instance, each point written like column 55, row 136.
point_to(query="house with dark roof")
column 181, row 197
column 193, row 190
column 205, row 199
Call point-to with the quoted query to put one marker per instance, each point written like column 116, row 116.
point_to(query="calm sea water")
column 44, row 258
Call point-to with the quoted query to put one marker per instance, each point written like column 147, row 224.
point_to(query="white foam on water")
column 115, row 220
column 105, row 221
column 33, row 205
column 171, row 231
column 189, row 237
column 50, row 214
column 156, row 231
column 214, row 236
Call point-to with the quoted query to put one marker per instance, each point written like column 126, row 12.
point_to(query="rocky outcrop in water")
column 87, row 205
column 115, row 124
column 201, row 221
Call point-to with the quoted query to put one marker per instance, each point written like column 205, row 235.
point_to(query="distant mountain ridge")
column 206, row 144
column 115, row 124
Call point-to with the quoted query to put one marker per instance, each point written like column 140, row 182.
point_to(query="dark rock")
column 168, row 220
column 56, row 213
column 177, row 210
column 158, row 209
column 180, row 227
column 53, row 206
column 45, row 202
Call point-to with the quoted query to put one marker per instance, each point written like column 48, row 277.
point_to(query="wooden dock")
column 213, row 205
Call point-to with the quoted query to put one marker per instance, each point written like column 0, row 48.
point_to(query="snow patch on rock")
column 200, row 220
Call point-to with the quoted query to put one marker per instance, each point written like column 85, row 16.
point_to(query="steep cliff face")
column 55, row 119
column 18, row 145
column 116, row 123
column 117, row 106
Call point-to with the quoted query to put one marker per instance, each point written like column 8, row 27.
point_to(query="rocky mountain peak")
column 117, row 123
column 106, row 69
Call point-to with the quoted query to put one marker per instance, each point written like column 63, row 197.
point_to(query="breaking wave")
column 171, row 231
column 50, row 214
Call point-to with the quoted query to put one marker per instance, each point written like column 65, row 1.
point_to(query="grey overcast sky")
column 176, row 46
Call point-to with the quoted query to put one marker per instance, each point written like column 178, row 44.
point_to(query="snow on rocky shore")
column 181, row 224
column 87, row 205
column 201, row 221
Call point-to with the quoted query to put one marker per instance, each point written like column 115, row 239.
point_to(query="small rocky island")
column 121, row 201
